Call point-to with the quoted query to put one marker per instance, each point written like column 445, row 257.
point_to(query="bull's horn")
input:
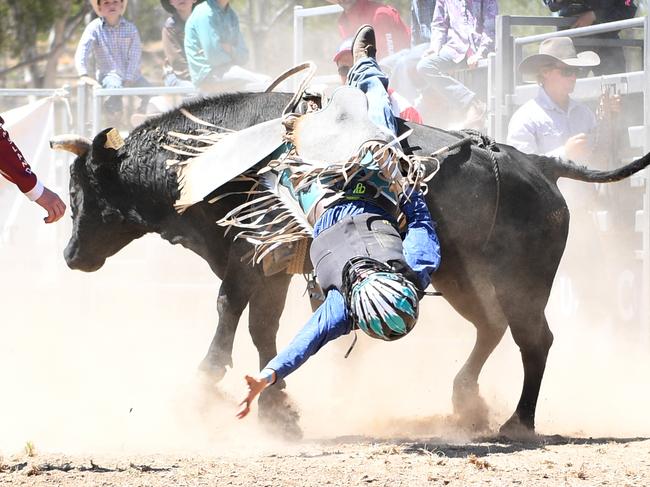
column 72, row 143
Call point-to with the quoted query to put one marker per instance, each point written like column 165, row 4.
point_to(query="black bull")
column 502, row 238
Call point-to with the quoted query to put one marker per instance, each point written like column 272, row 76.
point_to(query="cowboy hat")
column 168, row 6
column 95, row 5
column 557, row 50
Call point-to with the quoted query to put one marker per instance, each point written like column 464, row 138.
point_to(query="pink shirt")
column 464, row 26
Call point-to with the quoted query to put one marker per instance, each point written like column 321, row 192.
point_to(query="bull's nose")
column 76, row 263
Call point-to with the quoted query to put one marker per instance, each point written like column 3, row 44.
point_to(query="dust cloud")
column 106, row 362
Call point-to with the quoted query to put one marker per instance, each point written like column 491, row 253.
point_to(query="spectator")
column 421, row 18
column 114, row 43
column 556, row 125
column 392, row 33
column 14, row 168
column 462, row 33
column 215, row 48
column 590, row 12
column 175, row 70
column 552, row 123
column 400, row 106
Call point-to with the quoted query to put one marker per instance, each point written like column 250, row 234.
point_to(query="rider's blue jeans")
column 369, row 78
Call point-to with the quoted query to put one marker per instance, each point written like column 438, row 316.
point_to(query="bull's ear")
column 108, row 139
column 105, row 146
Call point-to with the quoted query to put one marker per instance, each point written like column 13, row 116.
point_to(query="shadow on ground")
column 480, row 446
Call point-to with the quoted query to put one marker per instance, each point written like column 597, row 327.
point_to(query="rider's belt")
column 379, row 201
column 363, row 235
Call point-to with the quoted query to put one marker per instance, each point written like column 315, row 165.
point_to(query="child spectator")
column 114, row 43
column 215, row 49
column 462, row 33
column 175, row 70
column 392, row 33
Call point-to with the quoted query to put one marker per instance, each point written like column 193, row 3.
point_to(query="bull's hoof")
column 514, row 429
column 279, row 415
column 212, row 372
column 470, row 410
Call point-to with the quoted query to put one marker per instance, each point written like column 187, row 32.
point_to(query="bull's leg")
column 234, row 293
column 473, row 296
column 266, row 306
column 468, row 403
column 523, row 290
column 531, row 333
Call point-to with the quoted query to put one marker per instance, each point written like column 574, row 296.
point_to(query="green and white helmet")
column 382, row 302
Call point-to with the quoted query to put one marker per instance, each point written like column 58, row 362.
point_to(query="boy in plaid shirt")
column 114, row 43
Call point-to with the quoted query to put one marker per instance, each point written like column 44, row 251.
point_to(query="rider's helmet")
column 382, row 302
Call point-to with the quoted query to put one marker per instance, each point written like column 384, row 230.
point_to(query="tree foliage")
column 33, row 30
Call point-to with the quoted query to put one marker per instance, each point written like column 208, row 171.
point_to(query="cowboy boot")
column 364, row 43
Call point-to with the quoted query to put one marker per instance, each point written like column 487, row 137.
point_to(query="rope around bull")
column 490, row 146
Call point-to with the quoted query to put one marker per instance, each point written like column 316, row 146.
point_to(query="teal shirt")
column 206, row 30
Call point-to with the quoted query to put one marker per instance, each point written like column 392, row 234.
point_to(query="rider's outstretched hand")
column 255, row 386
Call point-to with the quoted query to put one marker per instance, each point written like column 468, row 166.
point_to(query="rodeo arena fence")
column 48, row 112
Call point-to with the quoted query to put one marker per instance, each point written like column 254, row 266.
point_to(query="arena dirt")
column 100, row 387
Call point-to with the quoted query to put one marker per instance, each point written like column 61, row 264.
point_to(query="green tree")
column 33, row 33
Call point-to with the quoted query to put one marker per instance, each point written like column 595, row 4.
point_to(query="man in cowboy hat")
column 553, row 123
column 115, row 44
column 175, row 70
column 556, row 125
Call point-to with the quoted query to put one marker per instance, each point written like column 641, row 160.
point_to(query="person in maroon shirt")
column 392, row 33
column 14, row 168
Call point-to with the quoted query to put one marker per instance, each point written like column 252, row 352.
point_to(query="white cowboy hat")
column 96, row 6
column 557, row 50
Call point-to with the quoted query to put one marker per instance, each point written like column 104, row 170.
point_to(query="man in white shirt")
column 552, row 123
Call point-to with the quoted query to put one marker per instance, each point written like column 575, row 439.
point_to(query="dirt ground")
column 358, row 461
column 99, row 388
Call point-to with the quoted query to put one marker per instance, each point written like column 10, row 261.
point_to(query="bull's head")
column 100, row 227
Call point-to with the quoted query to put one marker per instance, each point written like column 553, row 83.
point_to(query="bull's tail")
column 557, row 168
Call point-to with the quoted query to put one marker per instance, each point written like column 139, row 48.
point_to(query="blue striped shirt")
column 116, row 50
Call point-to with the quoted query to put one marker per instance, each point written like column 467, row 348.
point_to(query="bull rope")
column 490, row 146
column 287, row 74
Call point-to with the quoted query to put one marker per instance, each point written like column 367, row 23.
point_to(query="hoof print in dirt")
column 279, row 415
